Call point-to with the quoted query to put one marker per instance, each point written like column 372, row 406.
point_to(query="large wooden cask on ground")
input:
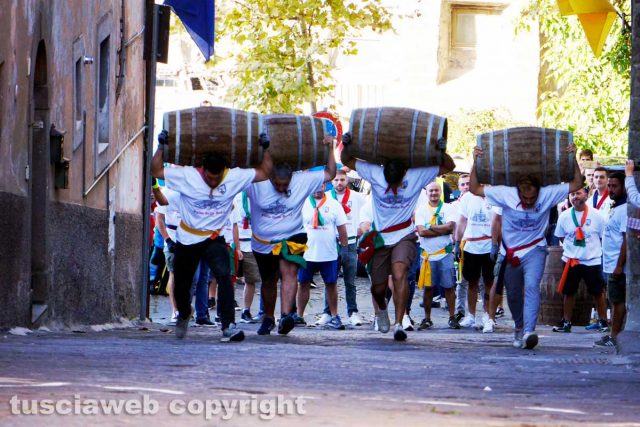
column 511, row 153
column 383, row 133
column 551, row 308
column 194, row 132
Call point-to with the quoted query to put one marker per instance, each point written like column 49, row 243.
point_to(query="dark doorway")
column 39, row 186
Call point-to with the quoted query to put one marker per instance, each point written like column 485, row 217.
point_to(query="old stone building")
column 72, row 101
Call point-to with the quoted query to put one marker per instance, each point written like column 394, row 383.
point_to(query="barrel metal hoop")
column 569, row 155
column 376, row 128
column 299, row 126
column 544, row 156
column 178, row 113
column 314, row 134
column 441, row 135
column 491, row 171
column 412, row 145
column 165, row 126
column 194, row 129
column 427, row 142
column 557, row 155
column 249, row 124
column 234, row 133
column 505, row 149
column 361, row 132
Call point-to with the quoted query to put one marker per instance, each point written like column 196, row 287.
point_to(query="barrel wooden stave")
column 234, row 133
column 539, row 152
column 551, row 303
column 383, row 133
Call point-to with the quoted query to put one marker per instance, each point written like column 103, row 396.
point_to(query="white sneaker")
column 324, row 320
column 469, row 321
column 489, row 326
column 355, row 319
column 174, row 316
column 517, row 339
column 530, row 340
column 382, row 316
column 375, row 324
column 407, row 325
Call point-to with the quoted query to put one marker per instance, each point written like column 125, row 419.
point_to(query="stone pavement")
column 342, row 378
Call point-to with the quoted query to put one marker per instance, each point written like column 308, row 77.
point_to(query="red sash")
column 514, row 260
column 368, row 244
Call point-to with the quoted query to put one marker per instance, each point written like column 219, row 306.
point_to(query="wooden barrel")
column 551, row 303
column 512, row 153
column 383, row 133
column 194, row 132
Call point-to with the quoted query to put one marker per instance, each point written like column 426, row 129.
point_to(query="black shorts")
column 617, row 289
column 477, row 264
column 592, row 276
column 269, row 264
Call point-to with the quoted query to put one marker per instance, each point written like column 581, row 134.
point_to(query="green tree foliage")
column 282, row 50
column 465, row 125
column 579, row 92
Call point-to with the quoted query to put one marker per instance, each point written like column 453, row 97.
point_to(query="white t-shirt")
column 171, row 212
column 276, row 216
column 593, row 228
column 355, row 202
column 366, row 212
column 478, row 212
column 615, row 227
column 522, row 226
column 424, row 214
column 201, row 207
column 321, row 241
column 595, row 200
column 391, row 209
column 243, row 233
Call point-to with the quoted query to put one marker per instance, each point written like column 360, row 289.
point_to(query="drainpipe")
column 150, row 86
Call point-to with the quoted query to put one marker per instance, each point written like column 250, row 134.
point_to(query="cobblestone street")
column 344, row 378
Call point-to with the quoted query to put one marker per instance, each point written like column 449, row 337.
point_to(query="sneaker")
column 469, row 321
column 232, row 334
column 407, row 323
column 236, row 306
column 174, row 317
column 382, row 316
column 425, row 324
column 258, row 318
column 355, row 319
column 375, row 324
column 564, row 326
column 299, row 320
column 205, row 322
column 459, row 316
column 286, row 324
column 595, row 326
column 324, row 319
column 267, row 326
column 480, row 324
column 517, row 339
column 604, row 325
column 453, row 323
column 500, row 312
column 398, row 333
column 530, row 340
column 606, row 341
column 211, row 303
column 181, row 326
column 488, row 327
column 336, row 323
column 245, row 317
column 216, row 319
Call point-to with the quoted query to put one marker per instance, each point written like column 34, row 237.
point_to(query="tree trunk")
column 629, row 339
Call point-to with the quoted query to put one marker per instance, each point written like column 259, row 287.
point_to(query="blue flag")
column 198, row 18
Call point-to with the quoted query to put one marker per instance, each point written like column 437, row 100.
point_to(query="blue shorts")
column 443, row 272
column 328, row 270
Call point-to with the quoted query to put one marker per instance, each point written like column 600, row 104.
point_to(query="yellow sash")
column 292, row 252
column 425, row 269
column 210, row 234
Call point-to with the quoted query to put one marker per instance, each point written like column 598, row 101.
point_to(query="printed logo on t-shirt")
column 525, row 223
column 222, row 189
column 479, row 216
column 277, row 208
column 206, row 204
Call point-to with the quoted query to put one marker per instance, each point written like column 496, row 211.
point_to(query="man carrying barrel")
column 206, row 200
column 389, row 248
column 525, row 216
column 579, row 228
column 279, row 239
